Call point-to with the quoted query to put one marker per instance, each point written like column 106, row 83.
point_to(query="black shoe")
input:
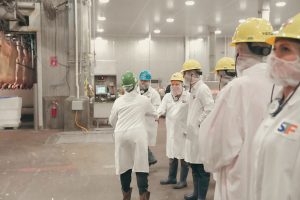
column 180, row 185
column 190, row 197
column 152, row 162
column 168, row 182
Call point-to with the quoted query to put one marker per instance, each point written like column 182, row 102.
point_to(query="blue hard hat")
column 145, row 76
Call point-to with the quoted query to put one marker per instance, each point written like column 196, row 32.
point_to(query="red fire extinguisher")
column 54, row 109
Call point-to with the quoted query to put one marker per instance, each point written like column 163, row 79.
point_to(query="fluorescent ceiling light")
column 275, row 32
column 103, row 1
column 280, row 3
column 200, row 29
column 170, row 20
column 189, row 3
column 242, row 21
column 157, row 31
column 218, row 32
column 101, row 18
column 100, row 30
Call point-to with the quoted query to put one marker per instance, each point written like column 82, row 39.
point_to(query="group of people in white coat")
column 248, row 138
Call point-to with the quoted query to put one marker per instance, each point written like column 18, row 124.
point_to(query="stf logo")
column 287, row 128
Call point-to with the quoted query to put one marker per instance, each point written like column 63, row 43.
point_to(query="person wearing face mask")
column 276, row 147
column 145, row 89
column 200, row 104
column 175, row 106
column 225, row 69
column 226, row 135
column 131, row 143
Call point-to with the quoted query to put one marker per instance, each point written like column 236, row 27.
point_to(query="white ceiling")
column 139, row 17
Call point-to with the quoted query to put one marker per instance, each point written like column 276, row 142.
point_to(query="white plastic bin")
column 10, row 112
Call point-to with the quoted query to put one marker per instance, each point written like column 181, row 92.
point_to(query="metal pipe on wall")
column 76, row 48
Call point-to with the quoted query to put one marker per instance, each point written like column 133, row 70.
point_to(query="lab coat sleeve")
column 113, row 118
column 162, row 109
column 150, row 109
column 156, row 101
column 207, row 101
column 220, row 137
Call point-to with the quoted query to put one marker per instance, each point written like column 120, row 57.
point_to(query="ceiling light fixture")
column 242, row 21
column 280, row 3
column 100, row 30
column 189, row 3
column 103, row 1
column 170, row 20
column 200, row 29
column 156, row 31
column 218, row 32
column 101, row 18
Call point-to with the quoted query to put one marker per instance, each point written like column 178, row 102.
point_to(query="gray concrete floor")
column 34, row 166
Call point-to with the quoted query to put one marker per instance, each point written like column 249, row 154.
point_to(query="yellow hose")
column 78, row 125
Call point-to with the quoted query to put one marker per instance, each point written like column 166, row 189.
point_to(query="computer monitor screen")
column 101, row 89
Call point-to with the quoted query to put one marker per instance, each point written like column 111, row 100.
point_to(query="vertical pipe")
column 186, row 48
column 212, row 48
column 76, row 48
column 35, row 106
column 149, row 50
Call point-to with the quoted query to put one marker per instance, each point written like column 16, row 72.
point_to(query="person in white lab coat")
column 200, row 104
column 145, row 89
column 175, row 107
column 225, row 69
column 226, row 135
column 128, row 117
column 276, row 150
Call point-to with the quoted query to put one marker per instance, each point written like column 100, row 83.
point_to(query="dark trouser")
column 141, row 178
column 151, row 157
column 203, row 179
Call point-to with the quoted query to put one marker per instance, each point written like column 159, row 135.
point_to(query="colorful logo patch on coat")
column 287, row 128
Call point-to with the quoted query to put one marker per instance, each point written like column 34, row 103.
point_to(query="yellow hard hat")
column 290, row 29
column 252, row 30
column 225, row 63
column 177, row 77
column 190, row 65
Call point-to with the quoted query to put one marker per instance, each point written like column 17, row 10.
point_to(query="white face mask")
column 176, row 90
column 190, row 79
column 244, row 61
column 282, row 72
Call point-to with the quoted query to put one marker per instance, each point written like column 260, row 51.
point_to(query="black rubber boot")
column 127, row 195
column 151, row 158
column 194, row 195
column 145, row 196
column 183, row 175
column 173, row 165
column 203, row 183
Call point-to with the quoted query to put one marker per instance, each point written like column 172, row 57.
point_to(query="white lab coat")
column 176, row 117
column 226, row 135
column 131, row 143
column 151, row 126
column 200, row 104
column 276, row 155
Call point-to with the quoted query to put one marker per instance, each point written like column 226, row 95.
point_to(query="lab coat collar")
column 131, row 94
column 294, row 99
column 194, row 87
column 255, row 69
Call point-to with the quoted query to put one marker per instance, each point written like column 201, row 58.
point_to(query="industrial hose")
column 78, row 125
